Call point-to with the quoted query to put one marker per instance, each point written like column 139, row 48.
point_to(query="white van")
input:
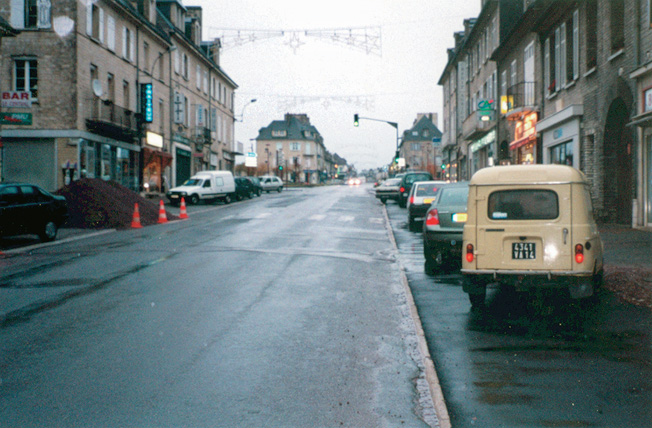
column 205, row 185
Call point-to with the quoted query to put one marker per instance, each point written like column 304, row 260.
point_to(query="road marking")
column 318, row 217
column 377, row 220
column 347, row 218
column 263, row 215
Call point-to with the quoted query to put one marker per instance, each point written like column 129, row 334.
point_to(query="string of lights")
column 366, row 39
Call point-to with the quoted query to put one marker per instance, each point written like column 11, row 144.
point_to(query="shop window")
column 562, row 154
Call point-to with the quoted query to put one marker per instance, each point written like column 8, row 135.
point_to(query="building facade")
column 101, row 93
column 293, row 149
column 572, row 78
column 421, row 145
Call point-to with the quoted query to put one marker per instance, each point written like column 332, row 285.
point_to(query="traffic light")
column 397, row 156
column 356, row 120
column 147, row 102
column 443, row 167
column 280, row 167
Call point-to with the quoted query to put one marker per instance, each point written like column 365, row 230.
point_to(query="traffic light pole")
column 356, row 118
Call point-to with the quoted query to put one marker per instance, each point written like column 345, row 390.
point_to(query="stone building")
column 589, row 61
column 421, row 145
column 293, row 149
column 85, row 68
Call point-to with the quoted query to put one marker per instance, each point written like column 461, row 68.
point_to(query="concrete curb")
column 431, row 375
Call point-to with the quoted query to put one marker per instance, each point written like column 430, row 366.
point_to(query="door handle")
column 565, row 233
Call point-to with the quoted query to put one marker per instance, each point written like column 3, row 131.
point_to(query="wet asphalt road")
column 281, row 311
column 523, row 362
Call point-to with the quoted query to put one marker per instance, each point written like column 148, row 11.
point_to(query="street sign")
column 251, row 154
column 16, row 99
column 16, row 119
column 436, row 139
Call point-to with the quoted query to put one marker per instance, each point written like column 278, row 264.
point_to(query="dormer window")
column 307, row 134
column 279, row 133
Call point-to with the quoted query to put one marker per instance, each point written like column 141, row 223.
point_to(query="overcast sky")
column 329, row 82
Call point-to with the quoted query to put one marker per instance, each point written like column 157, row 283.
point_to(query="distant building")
column 292, row 149
column 421, row 145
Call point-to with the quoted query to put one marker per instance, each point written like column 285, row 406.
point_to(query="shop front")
column 156, row 164
column 482, row 151
column 561, row 136
column 523, row 147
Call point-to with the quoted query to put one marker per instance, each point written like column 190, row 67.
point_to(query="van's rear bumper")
column 579, row 284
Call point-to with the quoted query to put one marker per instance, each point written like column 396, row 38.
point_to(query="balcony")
column 203, row 135
column 112, row 121
column 520, row 101
column 478, row 124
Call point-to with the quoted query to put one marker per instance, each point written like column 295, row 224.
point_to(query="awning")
column 158, row 156
column 523, row 141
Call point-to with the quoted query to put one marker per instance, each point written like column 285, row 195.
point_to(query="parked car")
column 406, row 184
column 531, row 227
column 388, row 190
column 28, row 209
column 443, row 227
column 205, row 185
column 422, row 194
column 244, row 188
column 270, row 183
column 257, row 186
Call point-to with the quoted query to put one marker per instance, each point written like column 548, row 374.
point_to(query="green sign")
column 15, row 118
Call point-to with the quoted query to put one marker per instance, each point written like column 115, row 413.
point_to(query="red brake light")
column 402, row 189
column 469, row 253
column 432, row 218
column 411, row 199
column 579, row 253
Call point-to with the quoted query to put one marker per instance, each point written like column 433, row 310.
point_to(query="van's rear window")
column 531, row 204
column 426, row 190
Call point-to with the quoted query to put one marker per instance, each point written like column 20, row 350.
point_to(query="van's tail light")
column 432, row 218
column 411, row 200
column 469, row 253
column 579, row 253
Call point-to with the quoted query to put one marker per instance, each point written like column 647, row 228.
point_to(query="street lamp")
column 253, row 100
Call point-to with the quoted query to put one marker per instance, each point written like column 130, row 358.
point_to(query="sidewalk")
column 626, row 247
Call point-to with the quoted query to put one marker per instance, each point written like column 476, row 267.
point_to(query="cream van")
column 530, row 226
column 205, row 185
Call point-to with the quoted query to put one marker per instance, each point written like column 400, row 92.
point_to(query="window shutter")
column 44, row 7
column 101, row 25
column 546, row 64
column 562, row 56
column 177, row 62
column 557, row 60
column 110, row 23
column 18, row 14
column 576, row 45
column 89, row 17
column 125, row 46
column 132, row 53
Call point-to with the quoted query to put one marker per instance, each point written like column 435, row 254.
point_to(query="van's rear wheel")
column 477, row 299
column 227, row 199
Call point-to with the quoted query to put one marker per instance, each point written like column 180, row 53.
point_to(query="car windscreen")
column 416, row 177
column 426, row 189
column 193, row 182
column 523, row 204
column 454, row 196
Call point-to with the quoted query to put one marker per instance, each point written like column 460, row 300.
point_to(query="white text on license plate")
column 524, row 251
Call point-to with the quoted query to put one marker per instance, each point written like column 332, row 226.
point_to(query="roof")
column 422, row 124
column 527, row 174
column 294, row 127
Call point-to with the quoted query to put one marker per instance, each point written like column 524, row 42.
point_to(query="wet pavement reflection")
column 531, row 360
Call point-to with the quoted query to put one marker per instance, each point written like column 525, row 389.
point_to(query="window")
column 531, row 204
column 128, row 43
column 562, row 154
column 416, row 147
column 30, row 14
column 295, row 147
column 279, row 133
column 161, row 116
column 26, row 77
column 146, row 56
column 110, row 84
column 185, row 66
column 198, row 76
column 179, row 112
column 617, row 24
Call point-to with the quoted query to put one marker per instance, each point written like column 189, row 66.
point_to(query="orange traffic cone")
column 135, row 223
column 183, row 213
column 162, row 218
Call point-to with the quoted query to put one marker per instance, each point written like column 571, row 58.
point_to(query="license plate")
column 460, row 217
column 524, row 251
column 428, row 201
column 174, row 196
